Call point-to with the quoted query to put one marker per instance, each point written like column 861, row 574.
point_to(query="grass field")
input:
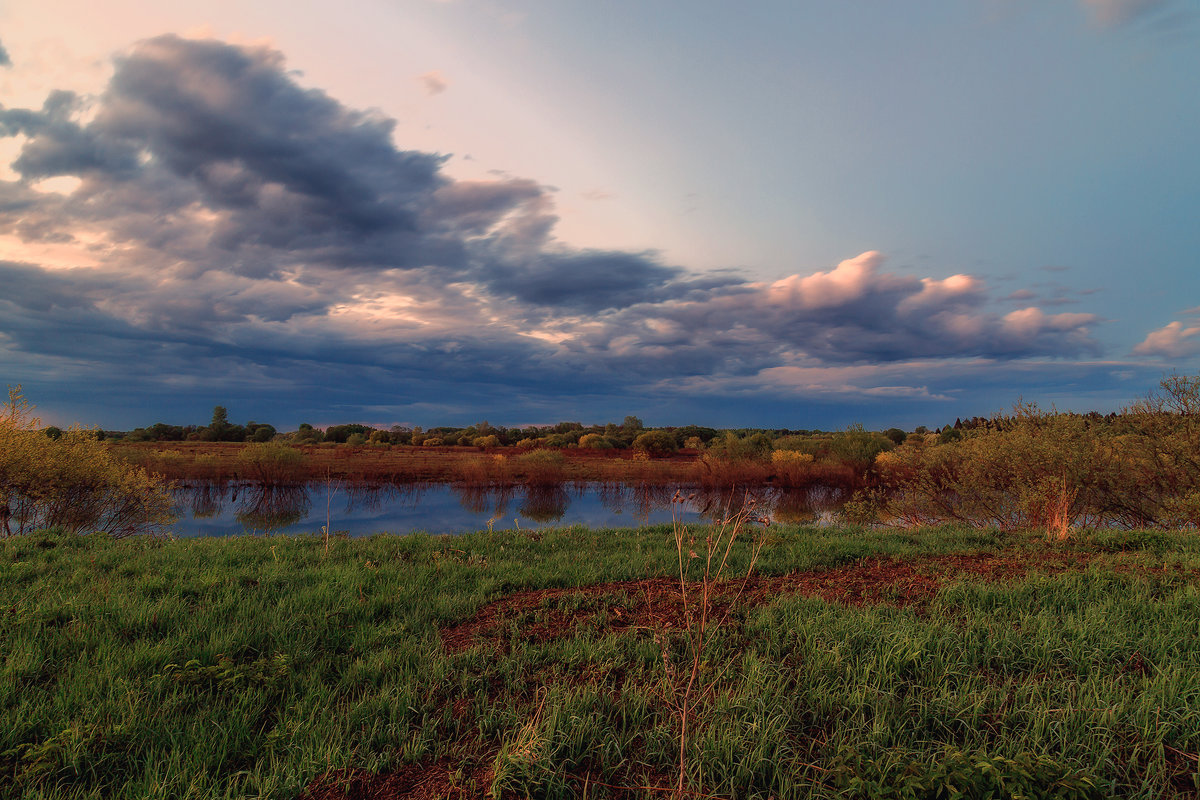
column 940, row 663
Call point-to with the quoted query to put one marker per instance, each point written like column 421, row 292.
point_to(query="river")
column 232, row 509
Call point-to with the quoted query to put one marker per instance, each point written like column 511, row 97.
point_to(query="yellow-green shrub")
column 272, row 462
column 73, row 482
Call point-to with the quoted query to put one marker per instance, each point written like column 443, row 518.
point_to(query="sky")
column 768, row 214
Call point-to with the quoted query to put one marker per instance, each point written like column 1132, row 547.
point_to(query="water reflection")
column 207, row 500
column 360, row 509
column 544, row 503
column 272, row 508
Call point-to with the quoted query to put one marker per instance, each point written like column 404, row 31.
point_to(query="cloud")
column 5, row 61
column 1171, row 341
column 1118, row 12
column 434, row 82
column 232, row 228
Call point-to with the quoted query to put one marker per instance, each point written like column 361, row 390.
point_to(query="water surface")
column 360, row 509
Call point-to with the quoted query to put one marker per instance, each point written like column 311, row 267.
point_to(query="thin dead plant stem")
column 331, row 488
column 685, row 688
column 1058, row 512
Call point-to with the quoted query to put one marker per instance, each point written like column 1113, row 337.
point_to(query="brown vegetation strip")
column 654, row 604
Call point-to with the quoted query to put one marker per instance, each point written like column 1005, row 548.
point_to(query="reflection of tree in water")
column 544, row 503
column 612, row 496
column 205, row 500
column 646, row 498
column 714, row 506
column 484, row 499
column 794, row 506
column 269, row 508
column 372, row 496
column 826, row 499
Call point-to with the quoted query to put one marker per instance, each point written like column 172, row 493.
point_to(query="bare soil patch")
column 440, row 779
column 654, row 604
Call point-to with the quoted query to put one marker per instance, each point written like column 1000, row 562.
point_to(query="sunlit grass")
column 250, row 666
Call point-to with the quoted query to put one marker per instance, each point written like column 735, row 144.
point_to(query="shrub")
column 74, row 482
column 658, row 443
column 859, row 447
column 431, row 441
column 730, row 448
column 1031, row 470
column 791, row 457
column 272, row 462
column 541, row 467
column 490, row 440
column 595, row 441
column 356, row 440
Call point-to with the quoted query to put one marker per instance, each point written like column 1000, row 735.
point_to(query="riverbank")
column 214, row 462
column 551, row 663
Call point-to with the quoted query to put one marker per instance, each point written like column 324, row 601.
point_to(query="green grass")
column 246, row 667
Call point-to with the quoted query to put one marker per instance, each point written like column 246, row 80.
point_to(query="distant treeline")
column 630, row 433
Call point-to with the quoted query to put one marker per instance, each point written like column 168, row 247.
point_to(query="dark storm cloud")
column 591, row 280
column 5, row 61
column 241, row 230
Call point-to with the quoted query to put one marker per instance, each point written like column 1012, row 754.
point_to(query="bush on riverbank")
column 71, row 481
column 1055, row 471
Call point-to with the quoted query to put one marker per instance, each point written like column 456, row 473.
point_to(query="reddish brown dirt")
column 412, row 782
column 655, row 604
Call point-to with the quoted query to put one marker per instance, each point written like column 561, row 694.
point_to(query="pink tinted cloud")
column 1171, row 341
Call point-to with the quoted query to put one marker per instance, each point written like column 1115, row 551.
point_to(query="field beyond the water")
column 851, row 663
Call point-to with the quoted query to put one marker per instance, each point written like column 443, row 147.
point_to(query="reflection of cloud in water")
column 544, row 503
column 269, row 508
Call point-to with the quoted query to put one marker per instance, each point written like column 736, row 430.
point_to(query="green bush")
column 658, row 443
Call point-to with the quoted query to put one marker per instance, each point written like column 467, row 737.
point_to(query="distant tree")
column 632, row 423
column 341, row 433
column 53, row 432
column 705, row 435
column 759, row 443
column 658, row 443
column 307, row 434
column 896, row 435
column 595, row 441
column 259, row 432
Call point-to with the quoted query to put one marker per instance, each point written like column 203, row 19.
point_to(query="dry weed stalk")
column 331, row 488
column 1058, row 512
column 685, row 689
